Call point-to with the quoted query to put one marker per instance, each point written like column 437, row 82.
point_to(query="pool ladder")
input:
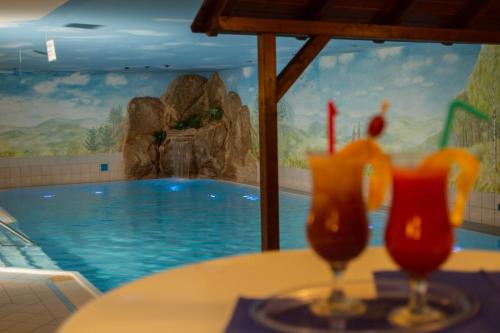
column 16, row 233
column 6, row 217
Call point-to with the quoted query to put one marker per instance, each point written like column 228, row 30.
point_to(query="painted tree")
column 480, row 136
column 105, row 136
column 91, row 143
column 116, row 120
column 286, row 113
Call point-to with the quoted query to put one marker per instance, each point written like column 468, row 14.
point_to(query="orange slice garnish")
column 468, row 171
column 369, row 152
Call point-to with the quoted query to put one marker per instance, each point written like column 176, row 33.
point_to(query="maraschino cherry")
column 377, row 123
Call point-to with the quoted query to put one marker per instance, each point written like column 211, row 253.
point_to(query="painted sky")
column 136, row 34
column 419, row 80
column 30, row 99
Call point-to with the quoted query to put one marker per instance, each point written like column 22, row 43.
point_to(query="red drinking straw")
column 332, row 112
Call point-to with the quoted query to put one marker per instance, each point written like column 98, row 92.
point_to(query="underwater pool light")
column 174, row 188
column 48, row 196
column 212, row 195
column 98, row 192
column 251, row 197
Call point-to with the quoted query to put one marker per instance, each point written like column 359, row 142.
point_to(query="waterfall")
column 181, row 155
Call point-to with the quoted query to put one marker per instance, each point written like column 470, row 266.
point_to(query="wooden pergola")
column 442, row 21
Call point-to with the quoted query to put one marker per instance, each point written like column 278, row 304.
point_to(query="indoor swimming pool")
column 116, row 232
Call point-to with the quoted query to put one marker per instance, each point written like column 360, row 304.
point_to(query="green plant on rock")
column 215, row 114
column 159, row 137
column 193, row 121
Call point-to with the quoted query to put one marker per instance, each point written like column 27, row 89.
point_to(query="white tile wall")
column 497, row 211
column 36, row 171
column 488, row 200
column 295, row 179
column 482, row 207
column 475, row 199
column 488, row 216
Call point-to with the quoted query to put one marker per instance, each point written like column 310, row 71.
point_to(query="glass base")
column 304, row 309
column 345, row 307
column 404, row 317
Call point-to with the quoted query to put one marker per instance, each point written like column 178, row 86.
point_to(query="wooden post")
column 268, row 142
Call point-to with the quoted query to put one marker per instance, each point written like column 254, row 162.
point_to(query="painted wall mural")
column 420, row 80
column 47, row 114
column 80, row 113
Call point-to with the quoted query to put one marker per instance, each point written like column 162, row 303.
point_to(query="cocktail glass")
column 419, row 234
column 337, row 226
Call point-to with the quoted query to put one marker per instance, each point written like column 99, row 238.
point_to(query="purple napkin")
column 485, row 286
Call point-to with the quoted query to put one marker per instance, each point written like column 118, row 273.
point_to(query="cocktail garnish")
column 458, row 104
column 469, row 170
column 332, row 112
column 377, row 123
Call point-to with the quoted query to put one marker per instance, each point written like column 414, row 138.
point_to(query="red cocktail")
column 419, row 233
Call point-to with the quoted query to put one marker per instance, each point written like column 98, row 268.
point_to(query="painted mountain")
column 62, row 136
column 478, row 136
column 57, row 136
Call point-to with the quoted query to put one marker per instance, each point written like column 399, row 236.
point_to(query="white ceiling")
column 12, row 11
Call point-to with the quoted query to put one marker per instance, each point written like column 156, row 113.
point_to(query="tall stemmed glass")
column 337, row 226
column 419, row 235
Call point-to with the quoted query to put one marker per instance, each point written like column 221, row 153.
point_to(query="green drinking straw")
column 458, row 104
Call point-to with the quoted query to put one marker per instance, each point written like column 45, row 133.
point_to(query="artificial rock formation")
column 220, row 148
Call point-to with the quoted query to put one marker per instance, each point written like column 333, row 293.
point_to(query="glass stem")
column 418, row 295
column 337, row 293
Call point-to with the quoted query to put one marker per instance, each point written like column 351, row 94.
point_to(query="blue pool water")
column 116, row 232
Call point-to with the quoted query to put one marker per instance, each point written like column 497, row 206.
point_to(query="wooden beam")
column 315, row 10
column 268, row 142
column 241, row 25
column 470, row 11
column 398, row 9
column 299, row 63
column 215, row 12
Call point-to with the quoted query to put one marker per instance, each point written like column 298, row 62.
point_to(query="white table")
column 201, row 297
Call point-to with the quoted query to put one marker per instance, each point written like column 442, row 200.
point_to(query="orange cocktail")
column 337, row 226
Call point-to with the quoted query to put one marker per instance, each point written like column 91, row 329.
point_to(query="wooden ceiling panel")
column 488, row 23
column 359, row 4
column 267, row 9
column 350, row 14
column 438, row 8
column 471, row 21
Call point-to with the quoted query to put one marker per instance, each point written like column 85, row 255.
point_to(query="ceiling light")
column 51, row 50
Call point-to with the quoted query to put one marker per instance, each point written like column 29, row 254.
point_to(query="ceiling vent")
column 83, row 26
